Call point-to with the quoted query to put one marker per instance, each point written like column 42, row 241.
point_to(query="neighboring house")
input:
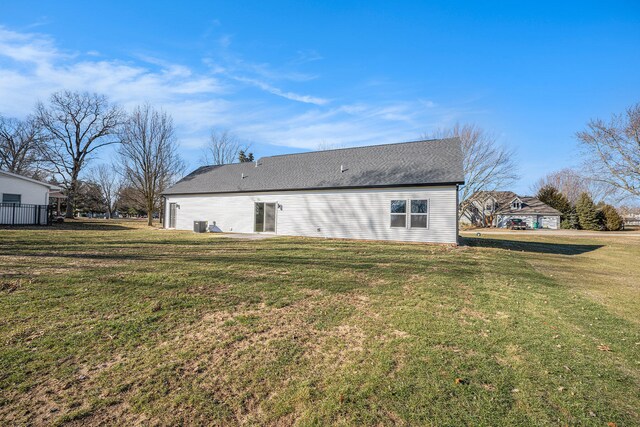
column 495, row 208
column 23, row 200
column 405, row 192
column 631, row 219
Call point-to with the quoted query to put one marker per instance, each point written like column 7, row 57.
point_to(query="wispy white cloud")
column 252, row 99
column 26, row 47
column 32, row 67
column 307, row 99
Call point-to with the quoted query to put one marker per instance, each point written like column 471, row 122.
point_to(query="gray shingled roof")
column 530, row 205
column 432, row 162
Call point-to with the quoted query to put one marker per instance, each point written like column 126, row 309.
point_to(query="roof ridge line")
column 361, row 146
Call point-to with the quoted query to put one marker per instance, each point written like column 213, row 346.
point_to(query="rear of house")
column 404, row 192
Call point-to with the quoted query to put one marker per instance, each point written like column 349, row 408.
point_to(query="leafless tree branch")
column 107, row 178
column 20, row 142
column 74, row 126
column 487, row 165
column 612, row 151
column 573, row 183
column 223, row 148
column 149, row 155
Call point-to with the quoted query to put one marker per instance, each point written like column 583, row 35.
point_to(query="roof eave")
column 34, row 181
column 529, row 213
column 354, row 187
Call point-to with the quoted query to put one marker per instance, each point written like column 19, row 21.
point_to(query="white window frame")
column 407, row 213
column 392, row 214
column 426, row 214
column 516, row 204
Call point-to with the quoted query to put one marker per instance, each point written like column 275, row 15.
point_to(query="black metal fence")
column 19, row 214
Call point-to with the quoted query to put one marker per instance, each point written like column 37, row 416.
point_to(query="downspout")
column 457, row 218
column 162, row 211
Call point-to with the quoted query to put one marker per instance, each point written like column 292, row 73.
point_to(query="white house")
column 23, row 200
column 496, row 208
column 405, row 192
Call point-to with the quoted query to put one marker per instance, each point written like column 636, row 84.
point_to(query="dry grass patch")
column 121, row 325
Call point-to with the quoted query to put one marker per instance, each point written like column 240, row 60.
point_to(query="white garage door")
column 551, row 222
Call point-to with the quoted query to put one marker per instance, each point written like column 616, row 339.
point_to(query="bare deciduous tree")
column 108, row 179
column 75, row 125
column 612, row 150
column 572, row 184
column 487, row 165
column 223, row 148
column 20, row 141
column 149, row 154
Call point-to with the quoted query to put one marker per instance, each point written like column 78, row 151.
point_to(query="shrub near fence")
column 19, row 214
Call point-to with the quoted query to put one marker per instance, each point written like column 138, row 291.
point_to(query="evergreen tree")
column 244, row 157
column 587, row 213
column 571, row 221
column 612, row 220
column 554, row 198
column 89, row 197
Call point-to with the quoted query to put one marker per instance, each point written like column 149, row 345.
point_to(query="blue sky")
column 288, row 76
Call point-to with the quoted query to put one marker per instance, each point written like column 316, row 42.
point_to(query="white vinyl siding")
column 353, row 214
column 31, row 193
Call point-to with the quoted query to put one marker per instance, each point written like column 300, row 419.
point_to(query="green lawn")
column 113, row 323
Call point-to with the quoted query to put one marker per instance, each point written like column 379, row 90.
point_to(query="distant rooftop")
column 430, row 162
column 530, row 205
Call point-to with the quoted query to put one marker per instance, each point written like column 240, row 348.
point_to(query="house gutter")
column 354, row 187
column 457, row 219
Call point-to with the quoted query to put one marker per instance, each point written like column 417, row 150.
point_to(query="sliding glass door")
column 265, row 217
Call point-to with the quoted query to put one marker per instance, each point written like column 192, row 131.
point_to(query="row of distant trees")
column 95, row 198
column 58, row 141
column 61, row 137
column 581, row 212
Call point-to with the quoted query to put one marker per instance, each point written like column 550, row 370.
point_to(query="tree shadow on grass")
column 95, row 225
column 535, row 247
